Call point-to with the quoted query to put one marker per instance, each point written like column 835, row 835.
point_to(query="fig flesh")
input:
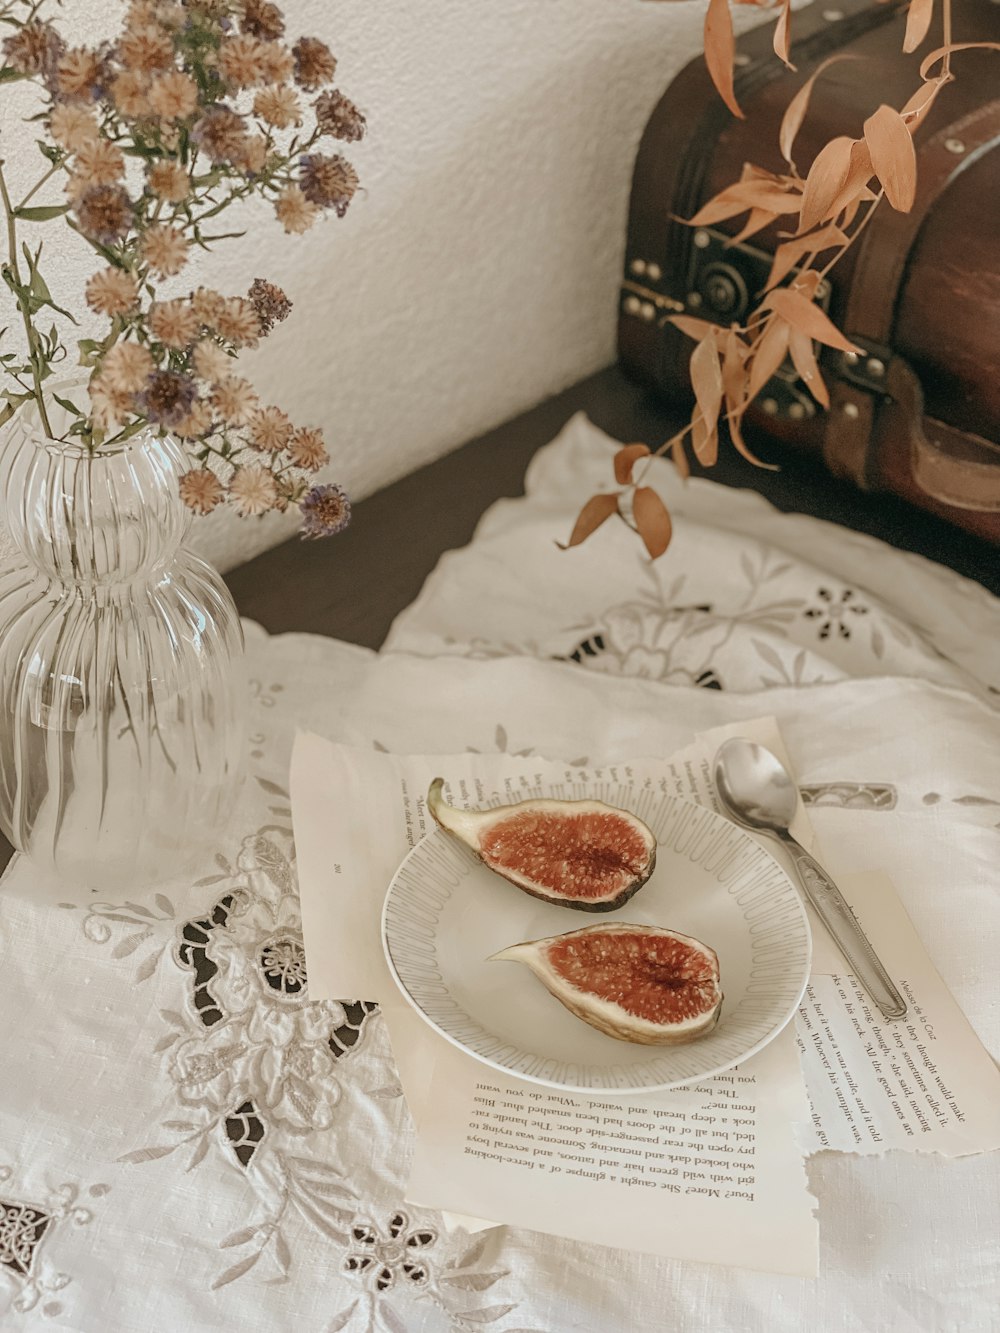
column 642, row 984
column 582, row 854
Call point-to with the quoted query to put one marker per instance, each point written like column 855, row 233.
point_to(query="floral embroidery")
column 402, row 1261
column 383, row 1257
column 27, row 1279
column 833, row 612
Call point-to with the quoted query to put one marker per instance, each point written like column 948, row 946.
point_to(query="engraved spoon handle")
column 835, row 912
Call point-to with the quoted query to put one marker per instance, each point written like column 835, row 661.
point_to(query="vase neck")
column 93, row 518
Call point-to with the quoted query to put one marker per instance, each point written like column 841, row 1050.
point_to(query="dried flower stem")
column 34, row 349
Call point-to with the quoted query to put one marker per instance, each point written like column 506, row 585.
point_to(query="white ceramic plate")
column 445, row 913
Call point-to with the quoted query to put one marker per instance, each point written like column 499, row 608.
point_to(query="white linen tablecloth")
column 187, row 1141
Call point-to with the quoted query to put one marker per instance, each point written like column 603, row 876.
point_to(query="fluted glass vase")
column 122, row 693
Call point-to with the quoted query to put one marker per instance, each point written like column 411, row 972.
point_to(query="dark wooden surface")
column 352, row 586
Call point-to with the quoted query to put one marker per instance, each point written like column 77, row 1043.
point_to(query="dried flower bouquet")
column 194, row 106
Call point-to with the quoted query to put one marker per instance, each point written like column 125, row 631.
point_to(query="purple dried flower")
column 338, row 116
column 168, row 397
column 329, row 182
column 325, row 510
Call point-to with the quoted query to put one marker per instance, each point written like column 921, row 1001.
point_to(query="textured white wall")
column 477, row 272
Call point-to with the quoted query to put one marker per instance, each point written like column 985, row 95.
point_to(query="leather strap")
column 954, row 466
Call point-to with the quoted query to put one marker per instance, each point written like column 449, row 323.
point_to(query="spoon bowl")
column 754, row 786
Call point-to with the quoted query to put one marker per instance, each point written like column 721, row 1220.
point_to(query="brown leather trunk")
column 919, row 412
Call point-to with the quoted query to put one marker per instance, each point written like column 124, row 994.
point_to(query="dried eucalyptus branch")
column 824, row 212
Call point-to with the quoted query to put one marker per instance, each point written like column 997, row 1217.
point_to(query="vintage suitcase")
column 919, row 412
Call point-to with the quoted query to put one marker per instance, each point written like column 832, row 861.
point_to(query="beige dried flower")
column 79, row 74
column 173, row 96
column 252, row 490
column 72, row 126
column 108, row 407
column 207, row 305
column 98, row 162
column 201, row 490
column 145, row 49
column 262, row 19
column 279, row 107
column 270, row 430
column 242, row 61
column 307, row 449
column 278, row 63
column 211, row 362
column 126, row 367
column 235, row 400
column 169, row 181
column 314, row 63
column 198, row 421
column 130, row 94
column 173, row 323
column 237, row 322
column 294, row 211
column 251, row 155
column 112, row 292
column 164, row 250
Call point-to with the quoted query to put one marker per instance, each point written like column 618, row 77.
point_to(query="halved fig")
column 644, row 984
column 581, row 854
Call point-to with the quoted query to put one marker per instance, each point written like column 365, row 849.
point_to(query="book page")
column 924, row 1083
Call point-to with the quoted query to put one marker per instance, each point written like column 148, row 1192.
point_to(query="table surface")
column 354, row 585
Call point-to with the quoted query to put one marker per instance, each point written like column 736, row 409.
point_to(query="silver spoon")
column 756, row 791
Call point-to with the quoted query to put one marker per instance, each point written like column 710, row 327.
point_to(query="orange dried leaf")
column 795, row 112
column 825, row 181
column 743, row 196
column 802, row 314
column 694, row 328
column 782, row 34
column 803, row 357
column 651, row 520
column 733, row 378
column 921, row 102
column 767, row 355
column 706, row 380
column 894, row 158
column 591, row 516
column 740, row 445
column 680, row 459
column 790, row 252
column 930, row 61
column 759, row 219
column 720, row 49
column 625, row 460
column 918, row 21
column 855, row 187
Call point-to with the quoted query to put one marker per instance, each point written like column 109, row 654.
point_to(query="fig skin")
column 608, row 1016
column 473, row 827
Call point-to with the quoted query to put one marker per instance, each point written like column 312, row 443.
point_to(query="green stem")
column 34, row 351
column 39, row 183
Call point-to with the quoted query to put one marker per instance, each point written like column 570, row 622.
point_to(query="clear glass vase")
column 122, row 688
